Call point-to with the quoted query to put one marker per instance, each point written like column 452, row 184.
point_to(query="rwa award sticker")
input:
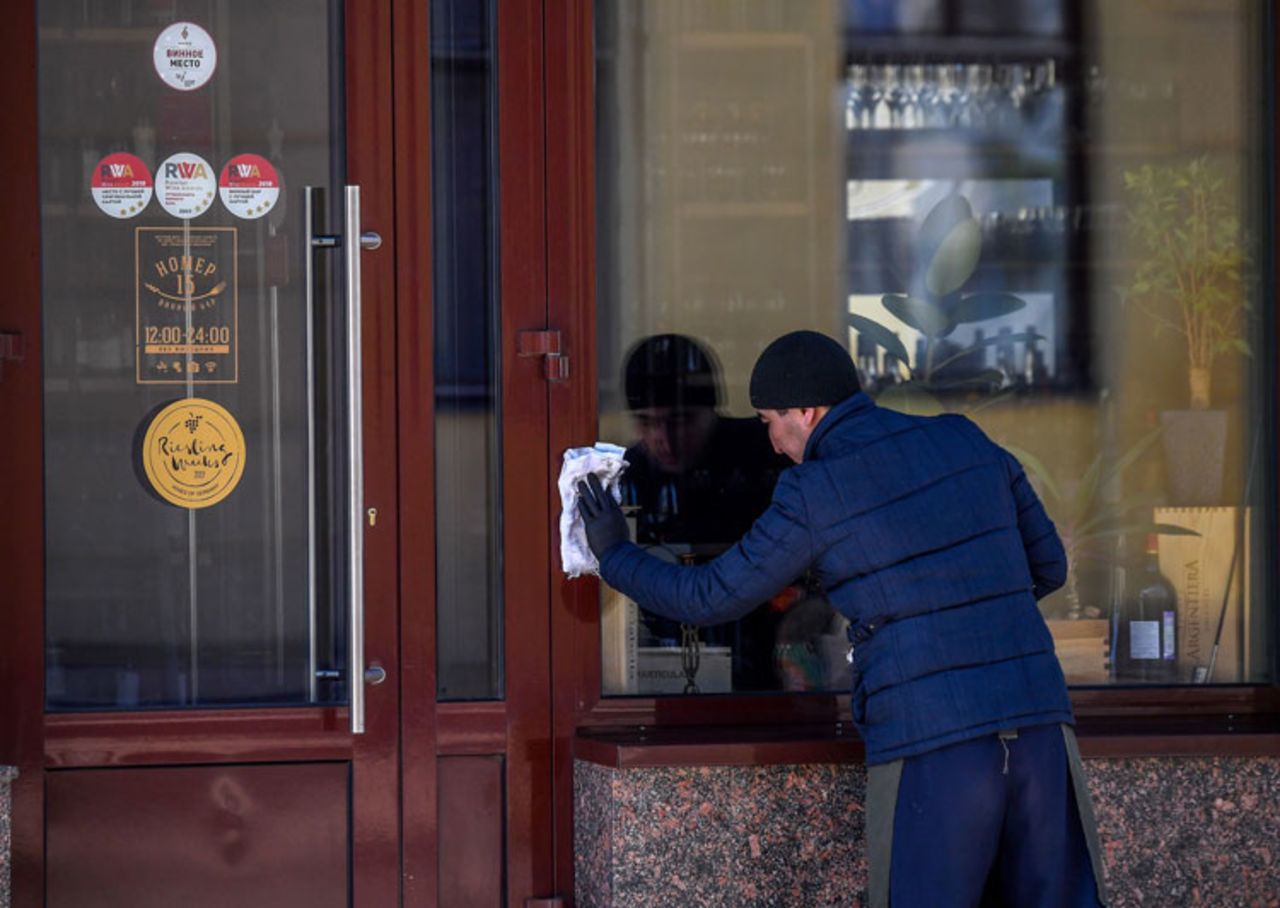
column 121, row 185
column 185, row 185
column 185, row 56
column 193, row 453
column 249, row 186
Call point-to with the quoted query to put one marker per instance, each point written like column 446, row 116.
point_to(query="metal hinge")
column 546, row 344
column 10, row 348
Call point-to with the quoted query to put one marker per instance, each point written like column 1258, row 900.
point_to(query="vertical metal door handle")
column 311, row 203
column 351, row 247
column 352, row 241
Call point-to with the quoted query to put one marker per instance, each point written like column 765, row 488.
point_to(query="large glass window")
column 1054, row 220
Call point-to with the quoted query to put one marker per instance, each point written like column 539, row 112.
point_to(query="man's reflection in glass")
column 699, row 480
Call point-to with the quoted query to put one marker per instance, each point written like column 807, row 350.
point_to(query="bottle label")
column 1144, row 639
column 1170, row 641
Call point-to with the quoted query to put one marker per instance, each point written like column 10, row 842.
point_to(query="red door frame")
column 571, row 185
column 523, row 193
column 416, row 405
column 516, row 727
column 21, row 469
column 34, row 741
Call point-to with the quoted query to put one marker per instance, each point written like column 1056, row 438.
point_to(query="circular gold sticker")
column 193, row 453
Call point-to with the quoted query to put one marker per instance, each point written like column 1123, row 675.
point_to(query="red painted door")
column 201, row 656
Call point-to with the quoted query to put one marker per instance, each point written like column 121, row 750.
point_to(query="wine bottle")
column 1146, row 645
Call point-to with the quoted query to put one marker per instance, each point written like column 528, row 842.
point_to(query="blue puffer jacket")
column 929, row 538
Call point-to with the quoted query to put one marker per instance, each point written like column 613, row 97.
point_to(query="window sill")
column 1100, row 737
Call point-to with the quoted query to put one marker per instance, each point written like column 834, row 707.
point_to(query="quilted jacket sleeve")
column 1045, row 554
column 776, row 550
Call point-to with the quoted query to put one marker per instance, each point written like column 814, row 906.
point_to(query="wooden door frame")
column 22, row 467
column 35, row 741
column 571, row 292
column 411, row 61
column 515, row 727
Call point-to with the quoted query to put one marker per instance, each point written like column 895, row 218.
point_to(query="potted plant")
column 1090, row 517
column 1190, row 282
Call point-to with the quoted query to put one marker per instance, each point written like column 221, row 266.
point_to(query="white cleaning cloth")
column 605, row 460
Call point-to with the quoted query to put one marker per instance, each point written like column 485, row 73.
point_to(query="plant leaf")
column 995, row 398
column 1032, row 463
column 955, row 259
column 941, row 220
column 1135, row 529
column 880, row 335
column 1088, row 488
column 978, row 307
column 987, row 377
column 1113, row 513
column 923, row 315
column 1140, row 447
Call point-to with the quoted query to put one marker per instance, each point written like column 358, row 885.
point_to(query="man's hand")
column 605, row 525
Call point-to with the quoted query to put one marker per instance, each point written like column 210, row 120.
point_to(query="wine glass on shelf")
column 854, row 104
column 982, row 101
column 920, row 96
column 952, row 95
column 895, row 94
column 871, row 92
column 853, row 101
column 1016, row 85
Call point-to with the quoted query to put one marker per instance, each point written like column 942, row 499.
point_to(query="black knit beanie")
column 671, row 370
column 802, row 369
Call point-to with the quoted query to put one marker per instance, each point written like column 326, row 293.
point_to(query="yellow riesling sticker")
column 193, row 453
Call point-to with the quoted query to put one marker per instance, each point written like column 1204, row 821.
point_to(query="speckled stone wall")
column 1176, row 831
column 1189, row 830
column 727, row 835
column 7, row 775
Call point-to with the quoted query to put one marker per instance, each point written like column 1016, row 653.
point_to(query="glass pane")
column 465, row 295
column 717, row 163
column 180, row 565
column 1049, row 217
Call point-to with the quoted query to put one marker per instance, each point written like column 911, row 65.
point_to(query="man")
column 929, row 539
column 698, row 480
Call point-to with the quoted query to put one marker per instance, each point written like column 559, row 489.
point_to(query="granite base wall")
column 7, row 775
column 1175, row 831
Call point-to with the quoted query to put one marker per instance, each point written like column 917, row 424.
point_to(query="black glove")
column 605, row 525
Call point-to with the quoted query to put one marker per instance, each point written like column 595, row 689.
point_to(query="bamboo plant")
column 1190, row 277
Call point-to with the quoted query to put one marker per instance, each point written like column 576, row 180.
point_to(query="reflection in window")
column 1049, row 220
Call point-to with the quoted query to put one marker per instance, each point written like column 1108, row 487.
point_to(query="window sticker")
column 193, row 453
column 249, row 186
column 185, row 56
column 185, row 185
column 121, row 185
column 186, row 300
